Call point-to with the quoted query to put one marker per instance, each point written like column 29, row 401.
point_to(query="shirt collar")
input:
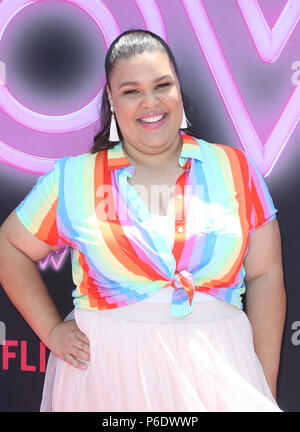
column 190, row 149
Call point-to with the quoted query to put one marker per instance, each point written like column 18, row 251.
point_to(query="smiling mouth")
column 152, row 119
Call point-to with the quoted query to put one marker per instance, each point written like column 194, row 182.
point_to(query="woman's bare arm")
column 21, row 279
column 266, row 298
column 22, row 282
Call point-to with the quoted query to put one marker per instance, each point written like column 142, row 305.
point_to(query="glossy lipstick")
column 153, row 125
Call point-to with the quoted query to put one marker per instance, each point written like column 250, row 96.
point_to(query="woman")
column 159, row 324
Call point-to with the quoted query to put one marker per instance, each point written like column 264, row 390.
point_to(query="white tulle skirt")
column 142, row 359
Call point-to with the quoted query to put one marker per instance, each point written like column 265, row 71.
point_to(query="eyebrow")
column 126, row 83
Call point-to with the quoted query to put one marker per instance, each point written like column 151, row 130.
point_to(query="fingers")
column 77, row 338
column 80, row 349
column 74, row 362
column 71, row 344
column 77, row 352
column 85, row 342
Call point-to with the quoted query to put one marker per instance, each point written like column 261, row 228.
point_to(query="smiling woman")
column 158, row 312
column 156, row 80
column 149, row 114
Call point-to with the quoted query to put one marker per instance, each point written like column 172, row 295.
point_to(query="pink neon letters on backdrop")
column 269, row 45
column 75, row 120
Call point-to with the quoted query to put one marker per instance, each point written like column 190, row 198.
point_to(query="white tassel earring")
column 184, row 122
column 113, row 132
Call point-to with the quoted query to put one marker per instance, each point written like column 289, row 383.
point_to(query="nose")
column 150, row 100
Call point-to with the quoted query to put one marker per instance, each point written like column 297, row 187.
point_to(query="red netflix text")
column 15, row 354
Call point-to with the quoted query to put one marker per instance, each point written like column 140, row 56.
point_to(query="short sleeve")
column 262, row 206
column 38, row 211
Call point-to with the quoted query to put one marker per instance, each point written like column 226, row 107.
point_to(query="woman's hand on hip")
column 69, row 343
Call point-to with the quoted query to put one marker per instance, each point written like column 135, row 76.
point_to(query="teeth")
column 152, row 119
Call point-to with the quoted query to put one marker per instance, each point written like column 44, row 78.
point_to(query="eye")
column 163, row 85
column 131, row 92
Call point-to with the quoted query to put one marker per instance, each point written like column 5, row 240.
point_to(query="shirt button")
column 180, row 196
column 180, row 229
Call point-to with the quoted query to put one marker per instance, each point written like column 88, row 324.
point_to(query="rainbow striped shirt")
column 118, row 258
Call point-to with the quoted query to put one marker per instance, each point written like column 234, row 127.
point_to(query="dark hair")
column 126, row 45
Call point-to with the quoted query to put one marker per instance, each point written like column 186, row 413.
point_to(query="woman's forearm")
column 266, row 309
column 22, row 282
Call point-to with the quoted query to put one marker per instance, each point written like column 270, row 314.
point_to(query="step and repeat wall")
column 239, row 64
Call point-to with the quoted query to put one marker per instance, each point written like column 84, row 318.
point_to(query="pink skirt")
column 143, row 360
